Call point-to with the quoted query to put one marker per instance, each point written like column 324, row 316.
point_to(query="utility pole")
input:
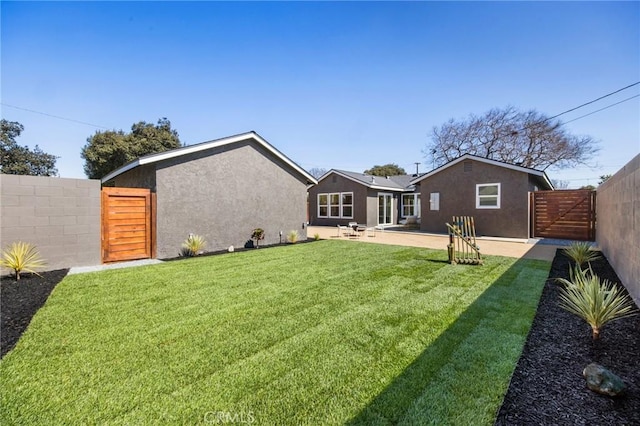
column 417, row 164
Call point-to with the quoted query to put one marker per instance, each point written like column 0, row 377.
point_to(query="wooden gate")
column 128, row 224
column 564, row 214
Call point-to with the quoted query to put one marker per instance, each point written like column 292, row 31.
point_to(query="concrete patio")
column 526, row 249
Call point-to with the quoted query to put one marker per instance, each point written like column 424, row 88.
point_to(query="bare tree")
column 560, row 184
column 529, row 139
column 317, row 172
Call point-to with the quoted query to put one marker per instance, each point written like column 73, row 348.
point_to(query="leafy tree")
column 386, row 170
column 20, row 160
column 589, row 187
column 317, row 172
column 529, row 139
column 603, row 179
column 108, row 150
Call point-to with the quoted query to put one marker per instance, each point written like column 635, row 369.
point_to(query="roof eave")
column 154, row 158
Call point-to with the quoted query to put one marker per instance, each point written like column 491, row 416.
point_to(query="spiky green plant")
column 595, row 300
column 316, row 237
column 577, row 276
column 292, row 236
column 581, row 252
column 193, row 245
column 22, row 257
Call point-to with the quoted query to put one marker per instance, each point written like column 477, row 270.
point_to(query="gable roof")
column 527, row 170
column 154, row 158
column 399, row 183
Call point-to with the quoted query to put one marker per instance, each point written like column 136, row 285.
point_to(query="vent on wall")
column 334, row 179
column 467, row 166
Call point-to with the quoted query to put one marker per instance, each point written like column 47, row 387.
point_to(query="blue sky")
column 331, row 84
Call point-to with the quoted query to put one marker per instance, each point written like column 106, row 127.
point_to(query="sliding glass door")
column 385, row 209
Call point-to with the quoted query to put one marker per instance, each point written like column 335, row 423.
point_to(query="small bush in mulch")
column 547, row 386
column 236, row 250
column 20, row 300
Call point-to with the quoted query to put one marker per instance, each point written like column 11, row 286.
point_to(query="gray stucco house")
column 496, row 194
column 220, row 189
column 341, row 197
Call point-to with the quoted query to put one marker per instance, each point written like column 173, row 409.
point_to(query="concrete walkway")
column 526, row 249
column 117, row 265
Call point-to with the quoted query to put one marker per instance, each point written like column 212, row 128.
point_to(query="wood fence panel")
column 563, row 214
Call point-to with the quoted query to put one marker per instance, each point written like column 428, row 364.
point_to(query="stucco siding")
column 332, row 184
column 457, row 188
column 223, row 194
column 139, row 177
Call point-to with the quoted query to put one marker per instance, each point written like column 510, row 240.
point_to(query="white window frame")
column 343, row 205
column 323, row 205
column 340, row 205
column 331, row 206
column 416, row 205
column 434, row 201
column 479, row 197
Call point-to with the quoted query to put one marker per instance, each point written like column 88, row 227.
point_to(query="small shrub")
column 193, row 245
column 257, row 235
column 292, row 236
column 316, row 237
column 594, row 300
column 581, row 252
column 22, row 257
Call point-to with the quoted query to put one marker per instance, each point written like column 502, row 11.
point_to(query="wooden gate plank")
column 566, row 214
column 126, row 224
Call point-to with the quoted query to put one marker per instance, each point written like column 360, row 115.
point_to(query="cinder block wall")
column 60, row 216
column 618, row 224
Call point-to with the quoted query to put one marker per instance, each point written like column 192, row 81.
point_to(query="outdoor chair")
column 343, row 230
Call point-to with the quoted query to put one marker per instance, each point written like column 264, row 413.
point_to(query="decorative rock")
column 603, row 381
column 231, row 249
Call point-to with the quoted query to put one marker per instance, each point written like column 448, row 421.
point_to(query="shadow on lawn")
column 396, row 400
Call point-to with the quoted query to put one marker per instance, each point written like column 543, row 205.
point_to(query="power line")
column 581, row 106
column 55, row 116
column 601, row 109
column 595, row 100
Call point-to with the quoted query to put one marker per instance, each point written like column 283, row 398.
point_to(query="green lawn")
column 329, row 332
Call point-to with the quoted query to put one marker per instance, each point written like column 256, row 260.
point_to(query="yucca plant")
column 581, row 252
column 22, row 257
column 577, row 276
column 594, row 300
column 292, row 236
column 193, row 245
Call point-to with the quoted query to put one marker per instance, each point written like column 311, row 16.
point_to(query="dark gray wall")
column 372, row 206
column 223, row 194
column 140, row 177
column 457, row 189
column 618, row 224
column 365, row 201
column 61, row 217
column 337, row 183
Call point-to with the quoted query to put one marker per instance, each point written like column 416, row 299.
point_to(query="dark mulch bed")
column 20, row 300
column 547, row 387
